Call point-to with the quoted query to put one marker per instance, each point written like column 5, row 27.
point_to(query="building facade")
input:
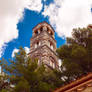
column 43, row 45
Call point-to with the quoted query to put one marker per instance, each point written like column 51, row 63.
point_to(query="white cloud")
column 0, row 69
column 68, row 14
column 34, row 5
column 11, row 11
column 60, row 62
column 17, row 50
column 27, row 49
column 45, row 0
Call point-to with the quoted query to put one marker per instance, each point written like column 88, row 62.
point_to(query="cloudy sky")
column 18, row 17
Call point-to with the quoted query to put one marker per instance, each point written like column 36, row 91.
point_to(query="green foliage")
column 28, row 76
column 3, row 90
column 44, row 87
column 22, row 86
column 76, row 55
column 3, row 82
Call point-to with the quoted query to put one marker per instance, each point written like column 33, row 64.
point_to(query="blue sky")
column 62, row 16
column 30, row 20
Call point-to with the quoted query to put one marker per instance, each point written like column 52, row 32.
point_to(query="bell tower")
column 43, row 45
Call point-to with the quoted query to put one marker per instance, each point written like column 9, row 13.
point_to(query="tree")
column 22, row 86
column 76, row 55
column 4, row 84
column 28, row 76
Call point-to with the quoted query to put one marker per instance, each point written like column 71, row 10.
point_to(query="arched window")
column 41, row 29
column 36, row 32
column 52, row 61
column 38, row 62
column 51, row 45
column 37, row 44
column 48, row 43
column 53, row 65
column 51, row 33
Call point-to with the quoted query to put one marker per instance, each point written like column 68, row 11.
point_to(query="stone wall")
column 45, row 55
column 44, row 38
column 43, row 45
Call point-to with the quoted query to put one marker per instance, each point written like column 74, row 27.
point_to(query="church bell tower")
column 43, row 45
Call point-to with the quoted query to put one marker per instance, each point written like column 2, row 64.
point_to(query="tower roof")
column 90, row 26
column 44, row 23
column 77, row 84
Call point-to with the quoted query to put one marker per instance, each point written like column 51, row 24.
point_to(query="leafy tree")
column 76, row 55
column 4, row 84
column 22, row 86
column 4, row 90
column 28, row 76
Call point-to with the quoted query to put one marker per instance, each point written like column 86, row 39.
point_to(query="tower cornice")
column 42, row 24
column 40, row 48
column 42, row 33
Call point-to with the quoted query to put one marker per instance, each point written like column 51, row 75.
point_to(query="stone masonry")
column 43, row 45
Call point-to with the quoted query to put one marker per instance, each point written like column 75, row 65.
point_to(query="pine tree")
column 76, row 55
column 27, row 76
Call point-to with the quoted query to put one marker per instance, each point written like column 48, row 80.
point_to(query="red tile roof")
column 76, row 84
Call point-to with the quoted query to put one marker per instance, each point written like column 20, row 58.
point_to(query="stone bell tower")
column 43, row 45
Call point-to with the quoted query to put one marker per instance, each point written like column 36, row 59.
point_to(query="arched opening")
column 41, row 29
column 51, row 33
column 36, row 32
column 50, row 44
column 52, row 62
column 37, row 44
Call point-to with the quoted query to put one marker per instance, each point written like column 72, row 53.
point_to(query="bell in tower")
column 43, row 45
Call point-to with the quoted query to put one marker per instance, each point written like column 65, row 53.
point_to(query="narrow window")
column 52, row 47
column 38, row 62
column 35, row 45
column 53, row 65
column 38, row 43
column 41, row 29
column 36, row 32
